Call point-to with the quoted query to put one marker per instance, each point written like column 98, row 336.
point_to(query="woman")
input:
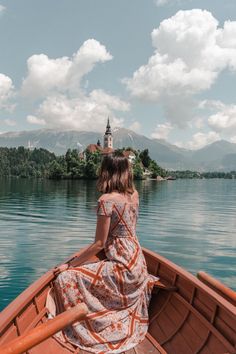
column 117, row 290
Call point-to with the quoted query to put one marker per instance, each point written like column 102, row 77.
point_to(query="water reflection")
column 42, row 222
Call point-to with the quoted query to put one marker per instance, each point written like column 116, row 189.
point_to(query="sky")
column 163, row 68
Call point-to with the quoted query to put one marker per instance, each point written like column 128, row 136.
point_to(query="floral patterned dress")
column 116, row 290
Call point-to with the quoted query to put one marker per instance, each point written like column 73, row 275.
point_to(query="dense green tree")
column 145, row 158
column 56, row 170
column 137, row 170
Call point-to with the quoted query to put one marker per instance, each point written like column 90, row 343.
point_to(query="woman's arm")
column 102, row 230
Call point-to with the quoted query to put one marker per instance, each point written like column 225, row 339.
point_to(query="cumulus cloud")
column 162, row 131
column 34, row 120
column 199, row 140
column 135, row 126
column 10, row 122
column 2, row 9
column 64, row 101
column 62, row 74
column 233, row 139
column 190, row 51
column 224, row 120
column 82, row 113
column 161, row 2
column 6, row 92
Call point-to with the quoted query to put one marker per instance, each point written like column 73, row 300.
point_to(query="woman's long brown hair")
column 115, row 174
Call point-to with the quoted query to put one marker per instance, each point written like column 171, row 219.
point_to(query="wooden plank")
column 177, row 318
column 26, row 318
column 178, row 305
column 131, row 351
column 227, row 331
column 197, row 326
column 185, row 288
column 152, row 265
column 202, row 308
column 206, row 350
column 228, row 318
column 16, row 306
column 146, row 347
column 157, row 302
column 166, row 273
column 191, row 337
column 11, row 333
column 209, row 325
column 166, row 324
column 156, row 344
column 169, row 349
column 50, row 346
column 215, row 345
column 40, row 299
column 156, row 331
column 180, row 344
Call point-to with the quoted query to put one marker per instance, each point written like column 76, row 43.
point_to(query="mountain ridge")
column 220, row 155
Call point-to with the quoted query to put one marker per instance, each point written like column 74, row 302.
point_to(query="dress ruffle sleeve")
column 104, row 207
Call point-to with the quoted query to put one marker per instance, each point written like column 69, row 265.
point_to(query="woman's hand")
column 61, row 268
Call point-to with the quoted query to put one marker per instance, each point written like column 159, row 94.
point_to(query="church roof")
column 94, row 148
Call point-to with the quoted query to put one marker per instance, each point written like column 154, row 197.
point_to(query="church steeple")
column 108, row 138
column 108, row 127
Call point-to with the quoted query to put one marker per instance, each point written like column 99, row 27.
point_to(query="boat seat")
column 161, row 285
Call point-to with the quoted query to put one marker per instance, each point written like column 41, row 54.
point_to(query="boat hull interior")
column 186, row 316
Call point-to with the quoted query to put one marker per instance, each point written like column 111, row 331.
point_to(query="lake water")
column 42, row 222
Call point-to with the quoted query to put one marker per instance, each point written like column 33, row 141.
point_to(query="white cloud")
column 199, row 140
column 224, row 121
column 161, row 2
column 135, row 126
column 34, row 120
column 6, row 91
column 190, row 52
column 87, row 112
column 2, row 9
column 64, row 100
column 221, row 116
column 162, row 131
column 233, row 139
column 10, row 122
column 62, row 74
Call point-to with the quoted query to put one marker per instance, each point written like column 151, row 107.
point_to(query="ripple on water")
column 43, row 222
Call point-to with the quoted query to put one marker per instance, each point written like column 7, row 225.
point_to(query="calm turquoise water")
column 192, row 222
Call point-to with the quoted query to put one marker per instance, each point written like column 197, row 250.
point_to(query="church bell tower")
column 108, row 138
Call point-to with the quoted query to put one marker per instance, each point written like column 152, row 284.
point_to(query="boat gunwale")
column 220, row 300
column 10, row 312
column 8, row 315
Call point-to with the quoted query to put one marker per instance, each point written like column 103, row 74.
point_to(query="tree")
column 56, row 171
column 145, row 158
column 137, row 171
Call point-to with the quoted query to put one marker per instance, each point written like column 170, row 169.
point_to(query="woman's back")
column 123, row 210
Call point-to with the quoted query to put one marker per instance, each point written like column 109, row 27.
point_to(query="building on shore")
column 107, row 146
column 107, row 143
column 108, row 138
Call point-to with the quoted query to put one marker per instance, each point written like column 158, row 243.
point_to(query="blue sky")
column 164, row 68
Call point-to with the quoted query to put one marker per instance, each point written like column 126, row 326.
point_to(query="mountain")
column 220, row 155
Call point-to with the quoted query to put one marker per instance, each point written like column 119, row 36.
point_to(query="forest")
column 40, row 163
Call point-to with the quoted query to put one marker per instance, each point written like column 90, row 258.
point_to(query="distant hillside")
column 216, row 156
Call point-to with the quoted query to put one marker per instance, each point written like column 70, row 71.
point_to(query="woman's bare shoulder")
column 106, row 197
column 135, row 195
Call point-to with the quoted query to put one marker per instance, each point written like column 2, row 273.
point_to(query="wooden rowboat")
column 187, row 315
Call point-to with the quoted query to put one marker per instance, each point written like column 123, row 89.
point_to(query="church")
column 107, row 142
